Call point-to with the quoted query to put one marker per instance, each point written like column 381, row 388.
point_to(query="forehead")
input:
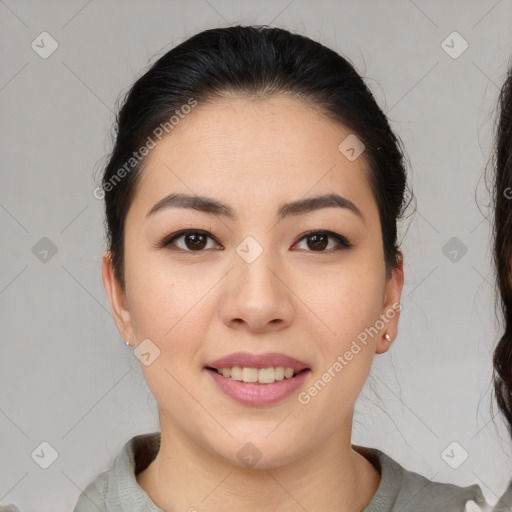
column 283, row 124
column 253, row 147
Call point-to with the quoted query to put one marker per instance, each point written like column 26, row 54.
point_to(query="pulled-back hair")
column 252, row 61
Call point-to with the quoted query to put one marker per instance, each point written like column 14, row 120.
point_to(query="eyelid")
column 343, row 241
column 168, row 240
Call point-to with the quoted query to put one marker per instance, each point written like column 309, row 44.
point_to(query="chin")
column 257, row 452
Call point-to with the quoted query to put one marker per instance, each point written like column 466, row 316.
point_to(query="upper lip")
column 267, row 360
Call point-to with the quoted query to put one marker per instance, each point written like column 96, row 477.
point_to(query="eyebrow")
column 294, row 208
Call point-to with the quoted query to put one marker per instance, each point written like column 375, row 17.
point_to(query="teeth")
column 262, row 375
column 249, row 375
column 235, row 373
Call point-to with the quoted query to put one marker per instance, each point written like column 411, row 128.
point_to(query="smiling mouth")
column 258, row 375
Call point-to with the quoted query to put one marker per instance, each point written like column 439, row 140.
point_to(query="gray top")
column 505, row 502
column 399, row 490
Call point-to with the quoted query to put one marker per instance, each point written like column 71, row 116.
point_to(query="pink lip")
column 248, row 360
column 255, row 393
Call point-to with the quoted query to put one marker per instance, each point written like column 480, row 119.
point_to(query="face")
column 307, row 282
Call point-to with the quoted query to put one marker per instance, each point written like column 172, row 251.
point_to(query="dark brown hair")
column 502, row 359
column 253, row 61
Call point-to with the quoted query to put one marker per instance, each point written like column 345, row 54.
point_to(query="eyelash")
column 343, row 242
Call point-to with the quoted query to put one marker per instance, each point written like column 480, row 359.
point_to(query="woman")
column 252, row 200
column 503, row 263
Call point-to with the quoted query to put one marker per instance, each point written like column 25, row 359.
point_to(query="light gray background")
column 66, row 376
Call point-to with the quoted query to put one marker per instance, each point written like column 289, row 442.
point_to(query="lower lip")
column 258, row 394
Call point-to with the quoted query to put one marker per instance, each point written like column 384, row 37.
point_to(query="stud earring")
column 387, row 336
column 127, row 343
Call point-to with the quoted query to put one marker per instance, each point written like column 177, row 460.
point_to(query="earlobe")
column 116, row 297
column 391, row 307
column 383, row 343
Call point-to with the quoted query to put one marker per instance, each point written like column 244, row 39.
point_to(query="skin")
column 296, row 299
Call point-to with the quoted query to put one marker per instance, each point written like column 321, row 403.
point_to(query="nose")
column 257, row 297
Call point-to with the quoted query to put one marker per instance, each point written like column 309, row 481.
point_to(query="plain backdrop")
column 68, row 380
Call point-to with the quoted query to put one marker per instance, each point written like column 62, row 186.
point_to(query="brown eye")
column 318, row 241
column 190, row 241
column 195, row 241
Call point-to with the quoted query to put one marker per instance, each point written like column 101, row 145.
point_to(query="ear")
column 391, row 307
column 116, row 297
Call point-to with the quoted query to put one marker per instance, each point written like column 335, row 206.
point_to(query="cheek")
column 164, row 309
column 349, row 310
column 161, row 297
column 346, row 300
column 168, row 306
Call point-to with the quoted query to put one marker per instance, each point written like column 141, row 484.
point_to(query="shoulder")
column 93, row 498
column 117, row 488
column 9, row 508
column 408, row 491
column 505, row 502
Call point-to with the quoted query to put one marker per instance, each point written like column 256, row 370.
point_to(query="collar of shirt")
column 399, row 490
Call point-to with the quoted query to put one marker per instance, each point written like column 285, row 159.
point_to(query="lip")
column 255, row 394
column 267, row 360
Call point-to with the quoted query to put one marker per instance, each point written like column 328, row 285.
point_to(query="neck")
column 185, row 476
